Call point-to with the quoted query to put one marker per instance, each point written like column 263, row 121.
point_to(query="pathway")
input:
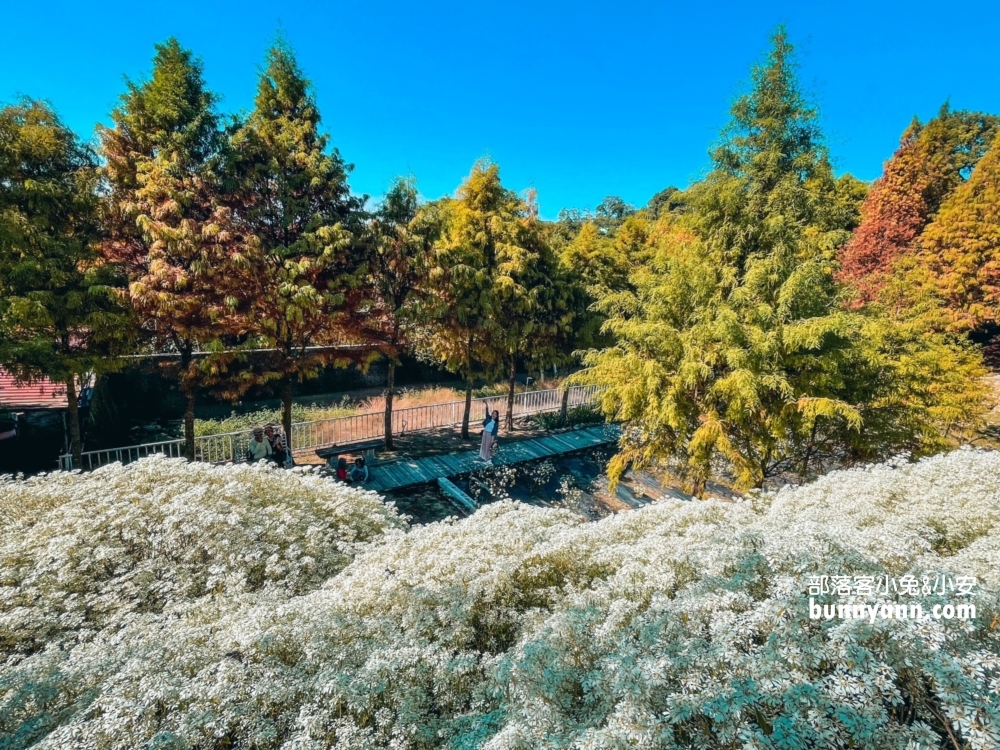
column 405, row 473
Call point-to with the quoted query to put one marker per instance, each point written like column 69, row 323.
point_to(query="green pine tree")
column 59, row 314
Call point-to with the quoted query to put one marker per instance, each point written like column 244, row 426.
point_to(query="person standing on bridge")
column 491, row 426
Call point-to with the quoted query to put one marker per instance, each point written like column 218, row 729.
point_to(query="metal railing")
column 93, row 459
column 232, row 446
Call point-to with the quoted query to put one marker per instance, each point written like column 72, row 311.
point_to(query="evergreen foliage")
column 59, row 315
column 289, row 196
column 611, row 213
column 668, row 200
column 166, row 224
column 733, row 354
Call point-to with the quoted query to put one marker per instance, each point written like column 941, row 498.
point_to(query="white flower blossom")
column 174, row 605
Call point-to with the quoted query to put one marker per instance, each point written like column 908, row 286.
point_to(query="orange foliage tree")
column 166, row 227
column 932, row 160
column 289, row 195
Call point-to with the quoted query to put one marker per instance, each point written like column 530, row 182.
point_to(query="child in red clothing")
column 342, row 469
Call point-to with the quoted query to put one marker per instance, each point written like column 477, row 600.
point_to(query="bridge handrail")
column 229, row 446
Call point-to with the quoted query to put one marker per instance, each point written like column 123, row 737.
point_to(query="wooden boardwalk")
column 408, row 472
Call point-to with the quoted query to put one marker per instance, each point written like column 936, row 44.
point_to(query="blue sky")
column 577, row 100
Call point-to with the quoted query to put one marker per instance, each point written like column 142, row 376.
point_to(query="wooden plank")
column 435, row 464
column 409, row 472
column 564, row 442
column 459, row 498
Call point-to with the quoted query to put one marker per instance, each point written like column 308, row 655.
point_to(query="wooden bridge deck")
column 408, row 472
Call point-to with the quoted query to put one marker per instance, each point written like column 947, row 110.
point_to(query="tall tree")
column 289, row 192
column 931, row 161
column 960, row 250
column 167, row 227
column 611, row 212
column 534, row 302
column 592, row 257
column 732, row 350
column 59, row 316
column 481, row 227
column 404, row 237
column 565, row 228
column 668, row 200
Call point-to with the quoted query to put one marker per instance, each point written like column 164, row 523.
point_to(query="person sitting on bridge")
column 341, row 468
column 359, row 473
column 259, row 446
column 277, row 442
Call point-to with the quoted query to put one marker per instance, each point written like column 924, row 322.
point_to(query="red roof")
column 42, row 394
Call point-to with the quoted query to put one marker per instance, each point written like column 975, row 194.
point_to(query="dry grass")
column 407, row 399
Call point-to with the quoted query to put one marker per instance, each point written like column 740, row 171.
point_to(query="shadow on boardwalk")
column 409, row 471
column 438, row 442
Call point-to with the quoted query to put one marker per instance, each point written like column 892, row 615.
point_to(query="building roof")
column 42, row 394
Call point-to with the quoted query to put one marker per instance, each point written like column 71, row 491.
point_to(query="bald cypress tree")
column 289, row 195
column 960, row 250
column 931, row 161
column 403, row 234
column 166, row 224
column 480, row 229
column 535, row 302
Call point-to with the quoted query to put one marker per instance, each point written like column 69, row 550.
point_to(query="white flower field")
column 172, row 605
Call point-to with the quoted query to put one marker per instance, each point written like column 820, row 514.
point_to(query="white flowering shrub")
column 78, row 552
column 679, row 625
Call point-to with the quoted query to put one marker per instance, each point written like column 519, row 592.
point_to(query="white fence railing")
column 232, row 446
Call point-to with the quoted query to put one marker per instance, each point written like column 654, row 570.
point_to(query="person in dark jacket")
column 279, row 453
column 491, row 426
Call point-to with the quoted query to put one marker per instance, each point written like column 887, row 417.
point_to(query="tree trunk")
column 763, row 470
column 390, row 383
column 73, row 407
column 564, row 409
column 809, row 450
column 468, row 409
column 188, row 389
column 698, row 488
column 510, row 391
column 286, row 411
